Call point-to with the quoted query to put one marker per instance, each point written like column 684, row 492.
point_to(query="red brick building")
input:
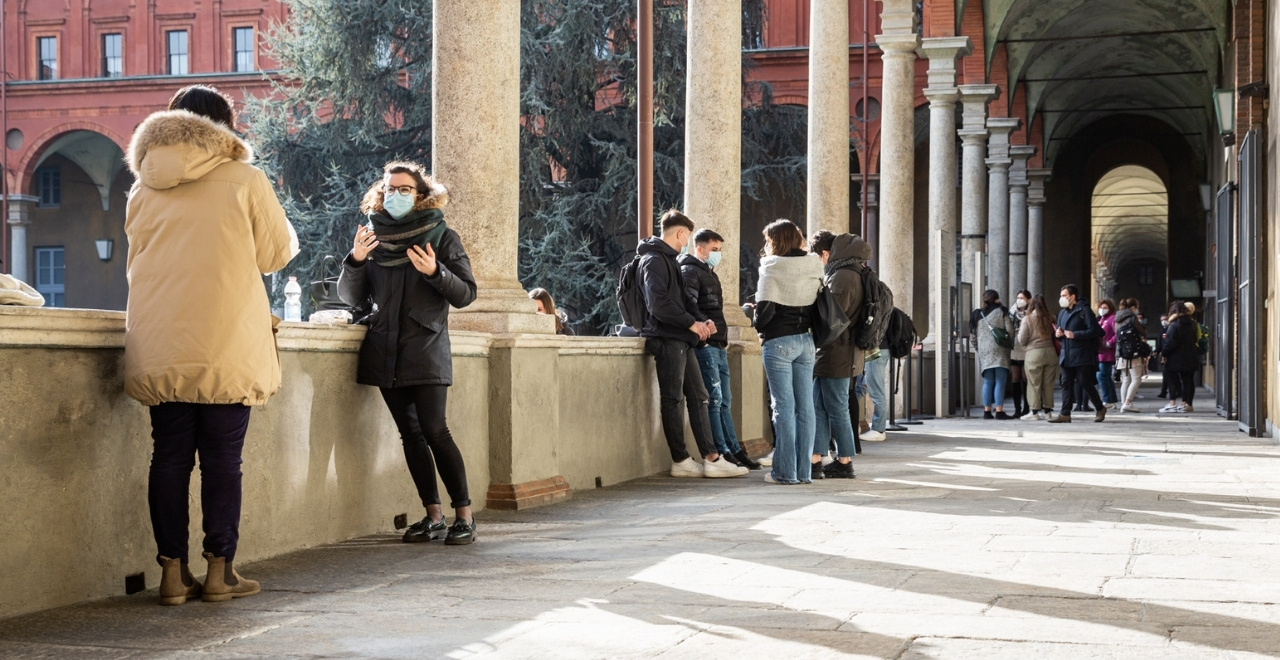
column 81, row 76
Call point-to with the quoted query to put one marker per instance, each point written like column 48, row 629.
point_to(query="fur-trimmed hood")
column 176, row 146
column 436, row 198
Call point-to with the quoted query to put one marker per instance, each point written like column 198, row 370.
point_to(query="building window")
column 177, row 52
column 244, row 49
column 49, row 180
column 112, row 55
column 51, row 275
column 1146, row 275
column 48, row 49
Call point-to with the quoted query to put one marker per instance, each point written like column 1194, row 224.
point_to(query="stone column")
column 19, row 218
column 998, row 162
column 942, row 95
column 873, row 218
column 475, row 126
column 1018, row 220
column 1035, row 229
column 973, row 218
column 828, row 175
column 897, row 152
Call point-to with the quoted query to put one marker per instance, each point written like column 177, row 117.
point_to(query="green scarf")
column 395, row 237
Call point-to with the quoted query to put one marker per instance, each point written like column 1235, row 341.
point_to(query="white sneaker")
column 1030, row 417
column 766, row 460
column 1171, row 408
column 1110, row 406
column 720, row 468
column 686, row 468
column 768, row 478
column 873, row 436
column 1042, row 416
column 1129, row 408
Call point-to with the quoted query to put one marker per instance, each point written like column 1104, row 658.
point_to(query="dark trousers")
column 855, row 416
column 1182, row 385
column 419, row 412
column 180, row 431
column 1085, row 378
column 679, row 384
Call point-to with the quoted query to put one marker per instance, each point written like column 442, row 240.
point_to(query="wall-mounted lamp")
column 1224, row 105
column 1206, row 197
column 104, row 246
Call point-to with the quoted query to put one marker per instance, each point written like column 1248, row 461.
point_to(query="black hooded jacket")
column 671, row 312
column 702, row 285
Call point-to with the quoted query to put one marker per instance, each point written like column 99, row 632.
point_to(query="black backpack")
column 901, row 334
column 872, row 321
column 1129, row 342
column 629, row 296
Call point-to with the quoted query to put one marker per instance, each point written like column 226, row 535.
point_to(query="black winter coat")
column 702, row 286
column 1179, row 347
column 671, row 312
column 841, row 358
column 1082, row 351
column 408, row 339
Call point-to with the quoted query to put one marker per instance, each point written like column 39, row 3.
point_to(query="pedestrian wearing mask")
column 1134, row 367
column 1159, row 358
column 1035, row 335
column 1107, row 353
column 993, row 358
column 1182, row 359
column 1018, row 355
column 1079, row 332
column 410, row 264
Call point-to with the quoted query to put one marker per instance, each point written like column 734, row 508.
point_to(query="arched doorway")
column 1130, row 235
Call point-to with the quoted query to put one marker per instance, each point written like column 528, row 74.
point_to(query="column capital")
column 1018, row 171
column 941, row 97
column 945, row 49
column 1035, row 189
column 898, row 44
column 973, row 137
column 999, row 163
column 20, row 209
column 1003, row 125
column 975, row 99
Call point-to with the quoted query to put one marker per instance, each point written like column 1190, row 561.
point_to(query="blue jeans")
column 788, row 365
column 1106, row 382
column 993, row 381
column 831, row 409
column 875, row 374
column 714, row 362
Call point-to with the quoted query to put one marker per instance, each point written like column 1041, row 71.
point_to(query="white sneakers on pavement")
column 687, row 468
column 1031, row 416
column 873, row 436
column 721, row 468
column 766, row 460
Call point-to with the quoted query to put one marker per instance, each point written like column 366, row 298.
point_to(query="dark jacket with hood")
column 1081, row 351
column 671, row 312
column 408, row 339
column 702, row 286
column 841, row 358
column 1179, row 348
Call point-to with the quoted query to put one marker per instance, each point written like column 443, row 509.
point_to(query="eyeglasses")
column 408, row 191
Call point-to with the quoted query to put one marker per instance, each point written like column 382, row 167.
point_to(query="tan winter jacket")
column 203, row 227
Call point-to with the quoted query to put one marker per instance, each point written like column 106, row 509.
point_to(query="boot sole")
column 466, row 542
column 175, row 600
column 222, row 598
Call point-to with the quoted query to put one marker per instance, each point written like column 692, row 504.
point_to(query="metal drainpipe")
column 866, row 118
column 644, row 117
column 4, row 145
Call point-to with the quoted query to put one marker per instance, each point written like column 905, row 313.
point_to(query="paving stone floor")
column 1139, row 538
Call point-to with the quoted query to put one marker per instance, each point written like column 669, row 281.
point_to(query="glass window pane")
column 243, row 49
column 48, row 64
column 112, row 55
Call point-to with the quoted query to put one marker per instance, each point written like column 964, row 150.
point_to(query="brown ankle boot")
column 224, row 583
column 176, row 583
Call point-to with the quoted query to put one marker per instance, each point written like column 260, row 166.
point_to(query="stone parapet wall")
column 535, row 417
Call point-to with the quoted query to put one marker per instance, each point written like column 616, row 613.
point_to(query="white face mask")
column 1063, row 302
column 1021, row 304
column 1102, row 311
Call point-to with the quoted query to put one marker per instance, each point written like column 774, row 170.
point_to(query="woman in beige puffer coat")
column 203, row 227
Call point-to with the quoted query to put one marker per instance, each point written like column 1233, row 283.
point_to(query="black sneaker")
column 732, row 459
column 1001, row 415
column 425, row 530
column 815, row 471
column 986, row 414
column 745, row 461
column 462, row 533
column 838, row 470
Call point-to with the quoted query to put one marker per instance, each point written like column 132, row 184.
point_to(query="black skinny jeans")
column 419, row 411
column 680, row 382
column 1183, row 385
column 180, row 431
column 1086, row 378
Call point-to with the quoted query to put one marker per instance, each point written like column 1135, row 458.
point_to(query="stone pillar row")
column 1035, row 229
column 998, row 162
column 897, row 151
column 973, row 219
column 828, row 137
column 1017, row 221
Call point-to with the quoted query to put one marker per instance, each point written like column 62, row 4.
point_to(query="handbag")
column 1002, row 336
column 831, row 322
column 324, row 292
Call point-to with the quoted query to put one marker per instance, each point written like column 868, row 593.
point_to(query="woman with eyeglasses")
column 409, row 263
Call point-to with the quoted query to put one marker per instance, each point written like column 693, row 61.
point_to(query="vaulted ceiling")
column 1130, row 218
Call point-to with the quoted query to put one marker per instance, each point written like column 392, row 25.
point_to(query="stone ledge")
column 513, row 497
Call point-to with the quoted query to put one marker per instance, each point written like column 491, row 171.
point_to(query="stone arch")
column 89, row 146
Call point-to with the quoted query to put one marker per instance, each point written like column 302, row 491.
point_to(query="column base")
column 517, row 497
column 502, row 308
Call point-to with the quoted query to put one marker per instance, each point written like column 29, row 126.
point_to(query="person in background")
column 199, row 348
column 993, row 359
column 1079, row 332
column 1018, row 355
column 843, row 258
column 875, row 378
column 1035, row 335
column 1132, row 369
column 790, row 280
column 673, row 327
column 1158, row 358
column 409, row 263
column 547, row 305
column 1107, row 353
column 1182, row 359
column 702, row 285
